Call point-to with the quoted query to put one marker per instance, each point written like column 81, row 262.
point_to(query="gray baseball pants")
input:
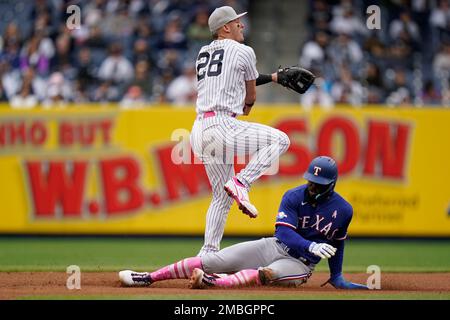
column 265, row 252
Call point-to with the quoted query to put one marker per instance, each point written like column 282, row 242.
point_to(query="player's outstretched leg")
column 178, row 270
column 202, row 280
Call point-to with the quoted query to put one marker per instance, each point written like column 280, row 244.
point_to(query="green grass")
column 112, row 254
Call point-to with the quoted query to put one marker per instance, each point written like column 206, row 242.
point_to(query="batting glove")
column 323, row 250
column 340, row 283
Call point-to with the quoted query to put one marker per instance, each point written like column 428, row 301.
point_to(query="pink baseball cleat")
column 239, row 193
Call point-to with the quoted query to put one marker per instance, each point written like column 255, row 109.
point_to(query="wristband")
column 263, row 79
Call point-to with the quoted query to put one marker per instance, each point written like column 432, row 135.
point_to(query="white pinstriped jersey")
column 222, row 67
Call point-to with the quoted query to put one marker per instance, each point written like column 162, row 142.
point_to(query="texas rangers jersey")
column 222, row 67
column 326, row 222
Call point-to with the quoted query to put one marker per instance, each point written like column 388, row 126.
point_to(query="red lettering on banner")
column 85, row 133
column 2, row 135
column 181, row 177
column 22, row 133
column 65, row 134
column 120, row 180
column 57, row 186
column 386, row 145
column 344, row 126
column 17, row 132
column 300, row 155
column 105, row 127
column 38, row 133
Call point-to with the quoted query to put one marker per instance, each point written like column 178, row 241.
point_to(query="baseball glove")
column 295, row 78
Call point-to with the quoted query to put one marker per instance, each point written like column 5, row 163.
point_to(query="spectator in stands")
column 44, row 24
column 95, row 38
column 441, row 61
column 430, row 95
column 348, row 23
column 375, row 49
column 144, row 31
column 37, row 53
column 347, row 90
column 80, row 94
column 183, row 89
column 314, row 51
column 170, row 63
column 404, row 24
column 63, row 49
column 25, row 98
column 59, row 91
column 198, row 33
column 399, row 88
column 10, row 78
column 134, row 98
column 319, row 16
column 3, row 97
column 106, row 93
column 11, row 36
column 440, row 19
column 372, row 80
column 173, row 37
column 143, row 79
column 141, row 51
column 93, row 12
column 116, row 68
column 345, row 52
column 11, row 53
column 86, row 69
column 117, row 24
column 161, row 83
column 318, row 95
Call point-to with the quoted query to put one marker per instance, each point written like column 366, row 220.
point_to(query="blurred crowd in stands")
column 131, row 52
column 406, row 62
column 139, row 52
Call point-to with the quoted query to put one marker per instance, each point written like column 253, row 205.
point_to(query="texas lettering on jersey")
column 325, row 223
column 319, row 225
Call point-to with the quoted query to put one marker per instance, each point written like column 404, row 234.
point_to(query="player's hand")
column 246, row 110
column 340, row 283
column 323, row 250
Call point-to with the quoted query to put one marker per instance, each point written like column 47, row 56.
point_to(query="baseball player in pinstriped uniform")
column 227, row 79
column 311, row 225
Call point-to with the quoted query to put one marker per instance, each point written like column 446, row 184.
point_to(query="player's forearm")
column 292, row 239
column 335, row 263
column 266, row 78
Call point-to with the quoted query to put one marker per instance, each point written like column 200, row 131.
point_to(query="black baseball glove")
column 295, row 78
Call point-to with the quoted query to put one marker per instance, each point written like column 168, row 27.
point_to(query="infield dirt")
column 16, row 285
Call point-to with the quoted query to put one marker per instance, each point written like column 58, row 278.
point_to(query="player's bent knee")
column 284, row 141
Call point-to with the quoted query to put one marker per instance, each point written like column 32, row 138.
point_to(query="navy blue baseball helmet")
column 322, row 171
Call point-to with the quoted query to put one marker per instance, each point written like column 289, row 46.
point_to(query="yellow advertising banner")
column 102, row 170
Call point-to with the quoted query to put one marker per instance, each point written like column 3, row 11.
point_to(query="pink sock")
column 178, row 270
column 242, row 278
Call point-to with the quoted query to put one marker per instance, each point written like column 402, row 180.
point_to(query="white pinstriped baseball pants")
column 216, row 141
